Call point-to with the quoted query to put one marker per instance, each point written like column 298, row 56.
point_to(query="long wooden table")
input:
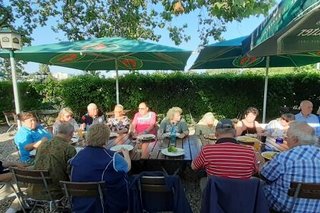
column 149, row 154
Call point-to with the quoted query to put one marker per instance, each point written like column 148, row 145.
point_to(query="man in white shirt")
column 306, row 116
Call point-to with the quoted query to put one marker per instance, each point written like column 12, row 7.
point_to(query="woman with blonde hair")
column 207, row 125
column 173, row 124
column 65, row 116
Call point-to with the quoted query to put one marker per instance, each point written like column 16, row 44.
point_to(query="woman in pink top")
column 144, row 121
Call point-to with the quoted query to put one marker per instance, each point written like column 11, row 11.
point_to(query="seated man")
column 306, row 116
column 96, row 163
column 54, row 156
column 6, row 177
column 92, row 117
column 226, row 158
column 29, row 136
column 173, row 124
column 301, row 163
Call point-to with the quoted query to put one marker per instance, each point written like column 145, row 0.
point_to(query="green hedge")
column 227, row 95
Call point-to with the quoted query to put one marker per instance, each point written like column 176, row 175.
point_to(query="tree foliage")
column 82, row 19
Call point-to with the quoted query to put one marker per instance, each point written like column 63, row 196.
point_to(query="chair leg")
column 13, row 125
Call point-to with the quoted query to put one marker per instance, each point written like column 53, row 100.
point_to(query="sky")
column 45, row 35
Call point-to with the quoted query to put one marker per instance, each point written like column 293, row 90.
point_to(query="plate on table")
column 247, row 139
column 74, row 140
column 113, row 135
column 178, row 152
column 269, row 154
column 210, row 137
column 117, row 148
column 146, row 137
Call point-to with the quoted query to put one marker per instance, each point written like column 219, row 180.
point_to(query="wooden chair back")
column 83, row 189
column 11, row 120
column 304, row 190
column 155, row 195
column 23, row 177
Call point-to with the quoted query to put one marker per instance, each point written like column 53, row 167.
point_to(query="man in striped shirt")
column 226, row 158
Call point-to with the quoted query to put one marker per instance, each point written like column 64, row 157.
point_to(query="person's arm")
column 258, row 128
column 134, row 124
column 185, row 130
column 122, row 164
column 6, row 177
column 239, row 128
column 13, row 164
column 35, row 145
column 161, row 134
column 198, row 162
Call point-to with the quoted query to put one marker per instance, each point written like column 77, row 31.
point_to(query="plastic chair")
column 40, row 177
column 11, row 119
column 83, row 189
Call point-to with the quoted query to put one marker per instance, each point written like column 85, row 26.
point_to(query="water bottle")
column 173, row 137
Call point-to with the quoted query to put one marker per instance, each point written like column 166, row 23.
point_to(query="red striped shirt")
column 227, row 160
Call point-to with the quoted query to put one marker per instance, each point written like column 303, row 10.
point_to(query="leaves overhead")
column 135, row 19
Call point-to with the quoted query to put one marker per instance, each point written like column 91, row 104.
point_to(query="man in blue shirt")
column 301, row 163
column 29, row 136
column 306, row 116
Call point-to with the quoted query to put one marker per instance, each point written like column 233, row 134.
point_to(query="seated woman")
column 29, row 136
column 173, row 124
column 278, row 129
column 144, row 121
column 119, row 122
column 96, row 163
column 65, row 116
column 207, row 125
column 249, row 125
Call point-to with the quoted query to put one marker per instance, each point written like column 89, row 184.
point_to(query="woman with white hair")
column 119, row 122
column 207, row 124
column 173, row 124
column 65, row 116
column 96, row 163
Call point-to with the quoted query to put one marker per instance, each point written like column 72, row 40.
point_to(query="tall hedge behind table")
column 225, row 94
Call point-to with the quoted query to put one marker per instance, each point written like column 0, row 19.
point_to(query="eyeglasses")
column 286, row 120
column 141, row 108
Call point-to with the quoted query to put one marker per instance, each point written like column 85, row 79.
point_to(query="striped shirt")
column 299, row 164
column 227, row 158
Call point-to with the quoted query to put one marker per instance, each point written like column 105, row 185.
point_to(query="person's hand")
column 180, row 135
column 44, row 139
column 165, row 135
column 124, row 151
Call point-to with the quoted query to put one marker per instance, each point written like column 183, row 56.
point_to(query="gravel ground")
column 8, row 152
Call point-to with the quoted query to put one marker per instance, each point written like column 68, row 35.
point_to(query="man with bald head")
column 306, row 116
column 301, row 163
column 92, row 117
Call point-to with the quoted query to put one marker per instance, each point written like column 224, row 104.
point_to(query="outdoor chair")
column 155, row 195
column 11, row 119
column 39, row 177
column 83, row 189
column 304, row 190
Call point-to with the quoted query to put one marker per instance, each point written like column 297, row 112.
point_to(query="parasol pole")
column 265, row 91
column 117, row 81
